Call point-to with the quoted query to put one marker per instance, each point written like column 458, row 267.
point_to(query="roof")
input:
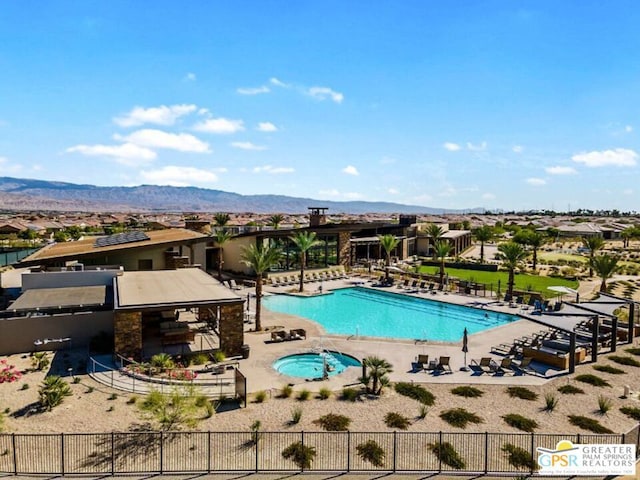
column 60, row 298
column 86, row 246
column 166, row 289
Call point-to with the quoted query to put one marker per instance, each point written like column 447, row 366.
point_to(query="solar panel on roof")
column 120, row 238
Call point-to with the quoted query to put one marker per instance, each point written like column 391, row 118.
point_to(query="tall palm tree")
column 435, row 232
column 626, row 235
column 593, row 243
column 377, row 370
column 442, row 251
column 605, row 266
column 483, row 234
column 511, row 254
column 221, row 237
column 260, row 259
column 275, row 220
column 535, row 240
column 304, row 241
column 388, row 243
column 221, row 219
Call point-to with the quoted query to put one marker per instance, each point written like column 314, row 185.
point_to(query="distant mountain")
column 25, row 194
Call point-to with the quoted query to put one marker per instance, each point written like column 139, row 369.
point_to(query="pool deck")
column 400, row 353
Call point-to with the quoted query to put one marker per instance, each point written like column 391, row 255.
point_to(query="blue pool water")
column 374, row 313
column 311, row 365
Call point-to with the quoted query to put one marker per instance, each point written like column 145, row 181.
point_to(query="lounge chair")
column 423, row 287
column 524, row 366
column 279, row 336
column 486, row 364
column 297, row 334
column 506, row 367
column 234, row 285
column 423, row 362
column 404, row 284
column 443, row 365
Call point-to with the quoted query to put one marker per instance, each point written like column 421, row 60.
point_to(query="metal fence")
column 186, row 452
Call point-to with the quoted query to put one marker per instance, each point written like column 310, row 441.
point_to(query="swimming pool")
column 373, row 313
column 312, row 365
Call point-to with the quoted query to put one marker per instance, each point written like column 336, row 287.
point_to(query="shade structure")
column 562, row 289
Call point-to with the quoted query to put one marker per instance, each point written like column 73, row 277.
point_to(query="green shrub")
column 163, row 361
column 519, row 457
column 301, row 455
column 593, row 380
column 422, row 411
column 604, row 404
column 550, row 402
column 52, row 392
column 570, row 390
column 630, row 361
column 324, row 393
column 522, row 392
column 632, row 412
column 133, row 399
column 459, row 417
column 589, row 424
column 40, row 361
column 521, row 423
column 332, row 422
column 111, row 408
column 371, row 452
column 608, row 369
column 198, row 358
column 296, row 416
column 25, row 386
column 417, row 392
column 219, row 356
column 448, row 455
column 76, row 380
column 349, row 394
column 395, row 420
column 89, row 390
column 303, row 395
column 285, row 391
column 260, row 397
column 633, row 350
column 467, row 392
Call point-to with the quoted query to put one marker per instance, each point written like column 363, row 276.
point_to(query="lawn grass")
column 523, row 280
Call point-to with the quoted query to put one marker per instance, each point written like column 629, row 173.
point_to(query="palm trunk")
column 302, row 262
column 481, row 252
column 511, row 282
column 590, row 262
column 388, row 264
column 603, row 286
column 220, row 262
column 258, row 301
column 535, row 258
column 442, row 272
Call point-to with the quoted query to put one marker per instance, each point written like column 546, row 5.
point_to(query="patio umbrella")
column 465, row 348
column 562, row 290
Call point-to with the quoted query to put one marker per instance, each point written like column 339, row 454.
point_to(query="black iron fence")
column 185, row 452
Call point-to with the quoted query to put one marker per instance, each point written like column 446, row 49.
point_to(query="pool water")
column 311, row 365
column 373, row 313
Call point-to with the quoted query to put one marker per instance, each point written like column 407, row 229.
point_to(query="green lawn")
column 523, row 281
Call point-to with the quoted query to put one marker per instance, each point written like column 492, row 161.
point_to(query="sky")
column 512, row 105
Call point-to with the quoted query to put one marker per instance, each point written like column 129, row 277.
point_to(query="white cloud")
column 183, row 142
column 627, row 191
column 392, row 191
column 273, row 170
column 161, row 115
column 179, row 176
column 477, row 148
column 536, row 182
column 352, row 195
column 190, row 77
column 560, row 170
column 619, row 157
column 350, row 170
column 220, row 126
column 452, row 147
column 628, row 128
column 323, row 93
column 278, row 83
column 203, row 111
column 518, row 148
column 126, row 154
column 488, row 196
column 267, row 127
column 253, row 90
column 247, row 146
column 333, row 193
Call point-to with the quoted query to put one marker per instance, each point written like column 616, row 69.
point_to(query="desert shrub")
column 76, row 380
column 40, row 361
column 592, row 380
column 260, row 396
column 113, row 396
column 589, row 424
column 255, row 432
column 522, row 392
column 459, row 417
column 521, row 423
column 550, row 402
column 133, row 399
column 324, row 393
column 303, row 395
column 89, row 390
column 395, row 420
column 183, row 405
column 422, row 411
column 198, row 358
column 417, row 392
column 111, row 408
column 285, row 391
column 632, row 412
column 301, row 455
column 609, row 369
column 448, row 455
column 630, row 361
column 604, row 404
column 349, row 394
column 370, row 451
column 25, row 386
column 52, row 392
column 163, row 361
column 467, row 392
column 569, row 390
column 296, row 416
column 633, row 350
column 332, row 422
column 519, row 457
column 219, row 356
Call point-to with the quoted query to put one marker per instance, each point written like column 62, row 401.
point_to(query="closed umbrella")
column 465, row 348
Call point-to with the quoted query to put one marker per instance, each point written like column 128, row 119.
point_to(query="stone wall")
column 173, row 261
column 127, row 334
column 231, row 328
column 344, row 249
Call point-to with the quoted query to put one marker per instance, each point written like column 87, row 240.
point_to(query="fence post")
column 161, row 452
column 209, row 451
column 348, row 451
column 637, row 439
column 486, row 452
column 15, row 455
column 302, row 442
column 113, row 453
column 62, row 453
column 532, row 452
column 257, row 439
column 440, row 452
column 395, row 449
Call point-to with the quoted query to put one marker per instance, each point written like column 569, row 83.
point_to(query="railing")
column 185, row 452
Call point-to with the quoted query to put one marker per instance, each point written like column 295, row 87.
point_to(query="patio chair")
column 443, row 365
column 486, row 364
column 524, row 366
column 279, row 336
column 423, row 287
column 297, row 334
column 506, row 367
column 234, row 285
column 423, row 362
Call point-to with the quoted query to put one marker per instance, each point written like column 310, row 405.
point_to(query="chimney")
column 317, row 216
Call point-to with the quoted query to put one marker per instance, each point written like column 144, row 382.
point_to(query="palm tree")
column 221, row 219
column 377, row 370
column 442, row 250
column 511, row 254
column 605, row 266
column 221, row 237
column 260, row 259
column 388, row 243
column 435, row 232
column 626, row 235
column 275, row 220
column 304, row 241
column 483, row 234
column 594, row 244
column 535, row 240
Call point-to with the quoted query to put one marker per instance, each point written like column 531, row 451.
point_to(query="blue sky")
column 495, row 104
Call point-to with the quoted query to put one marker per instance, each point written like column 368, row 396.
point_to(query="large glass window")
column 324, row 254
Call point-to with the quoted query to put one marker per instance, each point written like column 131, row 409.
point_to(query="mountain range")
column 28, row 194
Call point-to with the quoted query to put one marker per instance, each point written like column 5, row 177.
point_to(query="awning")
column 51, row 299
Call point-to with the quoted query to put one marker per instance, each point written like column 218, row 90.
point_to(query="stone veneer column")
column 127, row 334
column 231, row 329
column 344, row 249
